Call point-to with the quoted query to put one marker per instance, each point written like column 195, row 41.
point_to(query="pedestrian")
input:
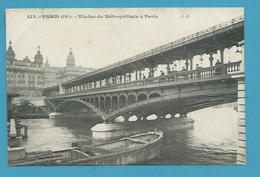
column 198, row 71
column 218, row 68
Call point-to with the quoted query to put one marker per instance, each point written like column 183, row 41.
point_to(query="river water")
column 211, row 140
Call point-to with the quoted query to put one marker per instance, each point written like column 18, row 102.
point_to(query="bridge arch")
column 123, row 94
column 101, row 114
column 154, row 95
column 141, row 97
column 92, row 100
column 122, row 101
column 108, row 103
column 169, row 103
column 114, row 95
column 131, row 99
column 84, row 98
column 50, row 105
column 96, row 103
column 115, row 102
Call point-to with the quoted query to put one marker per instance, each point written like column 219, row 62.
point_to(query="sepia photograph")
column 125, row 86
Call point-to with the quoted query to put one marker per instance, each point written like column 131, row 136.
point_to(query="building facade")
column 71, row 71
column 25, row 77
column 28, row 77
column 50, row 75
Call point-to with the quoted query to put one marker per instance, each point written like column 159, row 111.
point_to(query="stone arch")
column 131, row 99
column 141, row 97
column 97, row 101
column 114, row 105
column 88, row 99
column 101, row 114
column 154, row 95
column 122, row 101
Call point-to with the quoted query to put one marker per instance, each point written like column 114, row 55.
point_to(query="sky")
column 97, row 42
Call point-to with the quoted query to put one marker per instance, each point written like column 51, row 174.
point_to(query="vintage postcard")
column 121, row 86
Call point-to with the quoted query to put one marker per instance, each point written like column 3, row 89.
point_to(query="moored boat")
column 128, row 150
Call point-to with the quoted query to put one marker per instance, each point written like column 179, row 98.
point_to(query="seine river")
column 211, row 140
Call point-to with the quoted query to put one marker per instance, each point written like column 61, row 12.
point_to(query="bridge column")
column 109, row 105
column 140, row 75
column 124, row 77
column 126, row 100
column 168, row 68
column 105, row 106
column 129, row 77
column 211, row 58
column 241, row 143
column 136, row 75
column 191, row 63
column 118, row 103
column 187, row 64
column 151, row 71
column 113, row 79
column 222, row 55
column 61, row 89
column 120, row 79
column 99, row 103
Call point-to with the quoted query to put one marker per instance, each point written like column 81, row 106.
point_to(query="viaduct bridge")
column 151, row 82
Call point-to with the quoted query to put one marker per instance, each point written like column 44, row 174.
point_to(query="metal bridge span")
column 123, row 89
column 177, row 93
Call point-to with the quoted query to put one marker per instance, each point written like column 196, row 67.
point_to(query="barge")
column 128, row 150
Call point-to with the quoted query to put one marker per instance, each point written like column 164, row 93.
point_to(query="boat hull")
column 137, row 155
column 129, row 150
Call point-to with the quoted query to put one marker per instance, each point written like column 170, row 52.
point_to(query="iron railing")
column 174, row 76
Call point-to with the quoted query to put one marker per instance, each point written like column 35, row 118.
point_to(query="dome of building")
column 70, row 59
column 38, row 58
column 10, row 55
column 26, row 59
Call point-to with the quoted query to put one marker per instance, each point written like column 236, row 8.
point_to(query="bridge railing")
column 221, row 69
column 174, row 76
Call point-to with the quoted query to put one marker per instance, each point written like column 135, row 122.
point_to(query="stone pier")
column 115, row 130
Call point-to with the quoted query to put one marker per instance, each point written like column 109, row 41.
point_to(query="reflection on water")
column 211, row 140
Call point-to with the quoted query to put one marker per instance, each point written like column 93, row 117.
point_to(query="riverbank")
column 31, row 116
